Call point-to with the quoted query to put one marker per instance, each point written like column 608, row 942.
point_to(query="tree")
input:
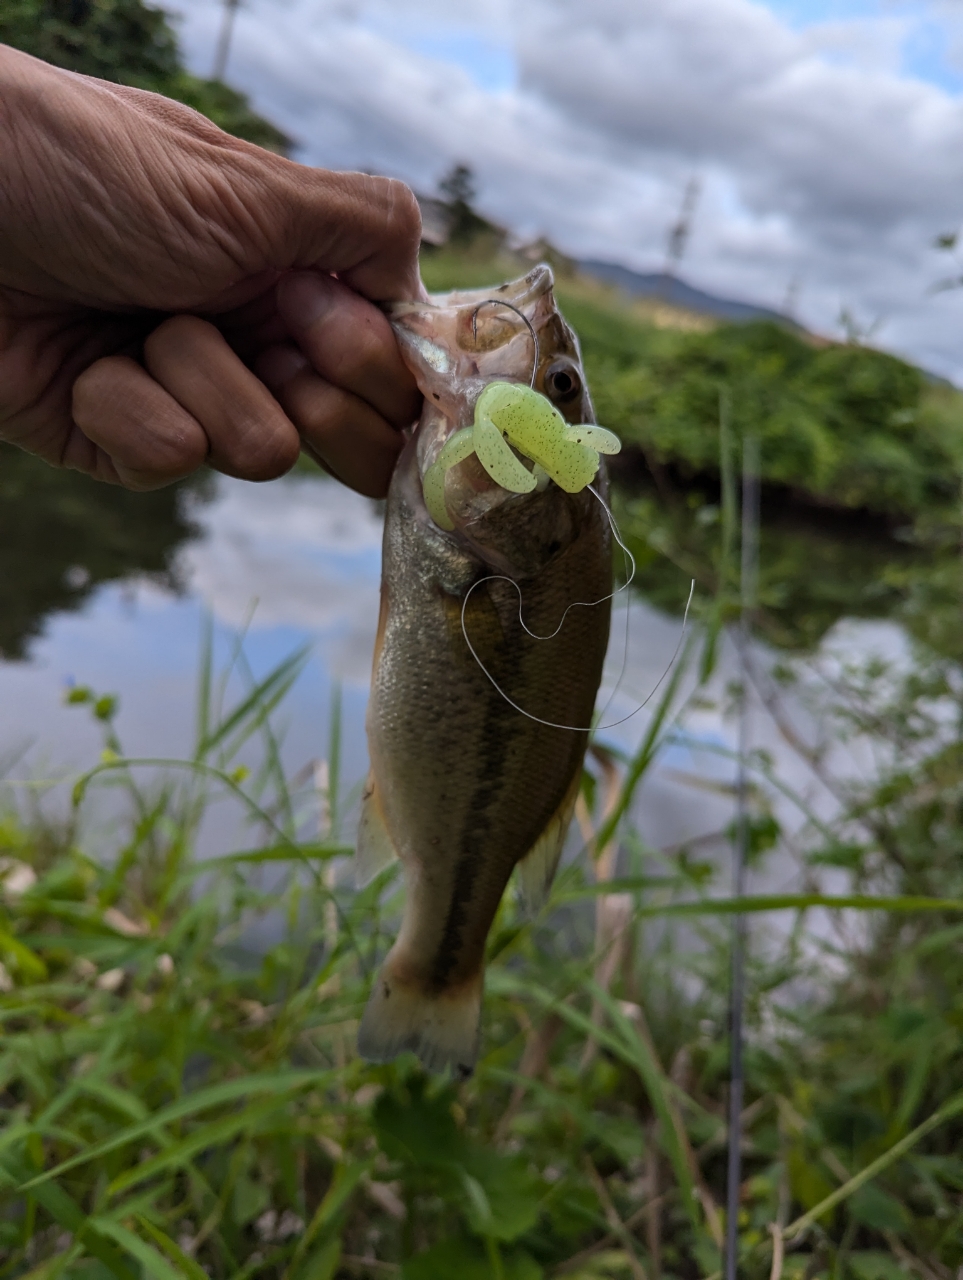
column 458, row 186
column 128, row 42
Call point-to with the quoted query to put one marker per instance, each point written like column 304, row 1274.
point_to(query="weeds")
column 180, row 1101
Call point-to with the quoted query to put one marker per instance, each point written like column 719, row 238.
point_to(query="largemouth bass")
column 463, row 786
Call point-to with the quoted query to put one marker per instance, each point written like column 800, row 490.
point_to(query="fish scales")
column 463, row 787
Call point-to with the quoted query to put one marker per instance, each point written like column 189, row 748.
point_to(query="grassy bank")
column 842, row 425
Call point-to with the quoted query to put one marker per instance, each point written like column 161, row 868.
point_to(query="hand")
column 166, row 296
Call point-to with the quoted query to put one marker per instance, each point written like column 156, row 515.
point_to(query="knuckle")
column 89, row 389
column 147, row 437
column 403, row 213
column 174, row 336
column 387, row 208
column 266, row 453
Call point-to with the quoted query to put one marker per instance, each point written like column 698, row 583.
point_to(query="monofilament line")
column 577, row 604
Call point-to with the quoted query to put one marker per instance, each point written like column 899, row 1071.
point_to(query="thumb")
column 366, row 229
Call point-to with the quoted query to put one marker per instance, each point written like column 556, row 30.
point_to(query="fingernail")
column 278, row 365
column 304, row 298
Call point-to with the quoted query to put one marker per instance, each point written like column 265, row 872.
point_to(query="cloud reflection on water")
column 305, row 555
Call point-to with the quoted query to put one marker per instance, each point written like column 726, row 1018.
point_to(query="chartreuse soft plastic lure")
column 508, row 414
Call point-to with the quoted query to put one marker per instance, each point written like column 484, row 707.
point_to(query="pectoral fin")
column 375, row 849
column 536, row 871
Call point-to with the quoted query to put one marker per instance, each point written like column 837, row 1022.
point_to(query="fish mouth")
column 455, row 343
column 522, row 293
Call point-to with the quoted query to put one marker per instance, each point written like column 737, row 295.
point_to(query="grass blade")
column 343, row 1185
column 229, row 1091
column 334, row 762
column 646, row 753
column 800, row 902
column 215, row 1134
column 653, row 1077
column 68, row 1214
column 634, row 1053
column 323, row 1263
column 262, row 696
column 949, row 1109
column 204, row 683
column 188, row 1267
column 153, row 1263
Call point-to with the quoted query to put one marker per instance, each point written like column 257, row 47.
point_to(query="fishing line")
column 500, row 302
column 577, row 604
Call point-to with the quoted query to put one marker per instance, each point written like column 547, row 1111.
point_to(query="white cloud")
column 821, row 158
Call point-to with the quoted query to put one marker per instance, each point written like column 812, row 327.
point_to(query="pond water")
column 111, row 590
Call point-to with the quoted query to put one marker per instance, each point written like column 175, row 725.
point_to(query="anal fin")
column 536, row 871
column 375, row 849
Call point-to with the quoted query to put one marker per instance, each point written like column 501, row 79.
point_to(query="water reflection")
column 302, row 556
column 298, row 562
column 62, row 535
column 290, row 563
column 817, row 566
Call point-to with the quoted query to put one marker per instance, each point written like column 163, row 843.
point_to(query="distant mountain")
column 670, row 289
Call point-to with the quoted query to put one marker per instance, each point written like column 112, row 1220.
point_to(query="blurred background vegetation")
column 180, row 1100
column 131, row 43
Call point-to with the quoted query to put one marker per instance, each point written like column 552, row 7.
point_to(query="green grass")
column 181, row 1100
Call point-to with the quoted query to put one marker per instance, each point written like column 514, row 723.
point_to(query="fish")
column 464, row 786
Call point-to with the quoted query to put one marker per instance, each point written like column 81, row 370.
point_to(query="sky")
column 826, row 135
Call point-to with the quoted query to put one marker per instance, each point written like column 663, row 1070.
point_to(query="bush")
column 845, row 425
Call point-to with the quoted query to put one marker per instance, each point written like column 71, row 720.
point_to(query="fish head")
column 458, row 343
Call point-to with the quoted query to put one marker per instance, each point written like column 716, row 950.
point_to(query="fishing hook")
column 500, row 302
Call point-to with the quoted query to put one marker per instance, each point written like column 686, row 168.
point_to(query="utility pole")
column 224, row 42
column 791, row 301
column 748, row 581
column 679, row 234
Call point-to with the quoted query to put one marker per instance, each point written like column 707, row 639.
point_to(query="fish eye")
column 562, row 382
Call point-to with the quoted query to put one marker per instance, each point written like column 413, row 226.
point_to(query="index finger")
column 349, row 343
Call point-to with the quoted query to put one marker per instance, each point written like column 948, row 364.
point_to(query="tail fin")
column 443, row 1030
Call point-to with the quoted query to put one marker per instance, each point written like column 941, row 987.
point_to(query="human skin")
column 168, row 295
